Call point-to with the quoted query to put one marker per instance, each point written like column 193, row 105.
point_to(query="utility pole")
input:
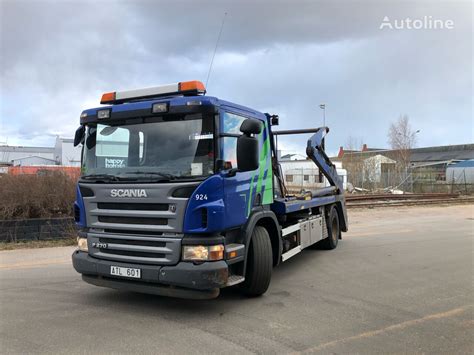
column 323, row 107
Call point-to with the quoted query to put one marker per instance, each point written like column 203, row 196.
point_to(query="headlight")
column 82, row 244
column 203, row 252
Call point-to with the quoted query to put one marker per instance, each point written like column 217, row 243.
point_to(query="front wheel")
column 259, row 263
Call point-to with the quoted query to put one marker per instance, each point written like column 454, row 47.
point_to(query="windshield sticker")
column 199, row 136
column 114, row 163
column 196, row 169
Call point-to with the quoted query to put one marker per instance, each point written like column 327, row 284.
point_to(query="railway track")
column 385, row 200
column 400, row 197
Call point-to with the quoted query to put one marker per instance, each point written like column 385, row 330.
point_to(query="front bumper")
column 184, row 280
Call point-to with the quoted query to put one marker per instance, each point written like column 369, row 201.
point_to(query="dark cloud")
column 279, row 56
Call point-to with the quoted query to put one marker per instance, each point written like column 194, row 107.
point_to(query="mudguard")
column 273, row 227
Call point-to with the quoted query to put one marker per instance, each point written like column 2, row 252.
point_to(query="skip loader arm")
column 315, row 151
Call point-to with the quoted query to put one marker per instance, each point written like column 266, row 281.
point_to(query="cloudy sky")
column 283, row 57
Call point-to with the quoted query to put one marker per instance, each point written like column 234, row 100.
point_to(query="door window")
column 231, row 125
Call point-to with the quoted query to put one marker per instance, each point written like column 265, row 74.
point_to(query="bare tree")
column 353, row 143
column 402, row 138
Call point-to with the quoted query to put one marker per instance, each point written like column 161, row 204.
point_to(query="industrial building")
column 461, row 173
column 63, row 153
column 426, row 169
column 433, row 160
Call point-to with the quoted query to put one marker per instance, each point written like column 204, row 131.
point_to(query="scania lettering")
column 181, row 194
column 127, row 193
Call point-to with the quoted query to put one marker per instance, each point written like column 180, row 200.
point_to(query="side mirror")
column 247, row 145
column 247, row 153
column 79, row 136
column 251, row 126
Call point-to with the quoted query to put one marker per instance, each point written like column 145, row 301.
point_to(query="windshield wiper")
column 154, row 173
column 100, row 177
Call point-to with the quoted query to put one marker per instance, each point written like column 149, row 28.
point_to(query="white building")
column 9, row 155
column 63, row 153
column 294, row 156
column 32, row 160
column 375, row 166
column 304, row 175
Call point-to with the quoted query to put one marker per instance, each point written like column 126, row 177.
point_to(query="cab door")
column 240, row 193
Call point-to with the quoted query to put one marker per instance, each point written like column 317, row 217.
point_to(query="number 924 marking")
column 200, row 197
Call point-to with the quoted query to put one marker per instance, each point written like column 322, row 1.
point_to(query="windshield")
column 150, row 148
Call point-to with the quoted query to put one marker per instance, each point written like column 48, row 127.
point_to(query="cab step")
column 235, row 279
column 290, row 253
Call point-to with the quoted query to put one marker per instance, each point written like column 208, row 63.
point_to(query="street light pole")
column 323, row 107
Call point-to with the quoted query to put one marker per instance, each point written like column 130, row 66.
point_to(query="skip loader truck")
column 181, row 194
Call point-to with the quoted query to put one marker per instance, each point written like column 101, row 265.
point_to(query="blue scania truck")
column 181, row 194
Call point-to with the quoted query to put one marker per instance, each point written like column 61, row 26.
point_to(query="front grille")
column 133, row 206
column 140, row 249
column 162, row 211
column 139, row 254
column 131, row 232
column 134, row 220
column 145, row 243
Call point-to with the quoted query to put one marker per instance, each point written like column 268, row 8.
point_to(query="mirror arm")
column 232, row 172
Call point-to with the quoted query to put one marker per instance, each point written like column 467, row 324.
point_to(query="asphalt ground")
column 401, row 281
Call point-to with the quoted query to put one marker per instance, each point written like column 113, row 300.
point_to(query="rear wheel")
column 259, row 263
column 334, row 231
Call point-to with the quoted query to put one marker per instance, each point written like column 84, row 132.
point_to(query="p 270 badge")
column 99, row 245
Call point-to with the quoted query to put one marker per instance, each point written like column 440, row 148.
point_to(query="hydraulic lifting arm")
column 315, row 151
column 322, row 196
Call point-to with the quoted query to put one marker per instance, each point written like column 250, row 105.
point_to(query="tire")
column 259, row 264
column 334, row 230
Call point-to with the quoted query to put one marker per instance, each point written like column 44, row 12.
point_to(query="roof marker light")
column 194, row 85
column 108, row 98
column 186, row 88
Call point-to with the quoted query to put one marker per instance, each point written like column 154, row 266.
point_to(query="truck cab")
column 179, row 195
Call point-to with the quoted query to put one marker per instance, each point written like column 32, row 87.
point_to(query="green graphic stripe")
column 268, row 191
column 268, row 182
column 264, row 186
column 249, row 206
column 262, row 163
column 267, row 185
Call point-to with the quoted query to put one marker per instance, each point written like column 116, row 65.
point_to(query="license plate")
column 125, row 272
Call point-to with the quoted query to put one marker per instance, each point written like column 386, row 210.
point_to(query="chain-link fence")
column 413, row 180
column 385, row 178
